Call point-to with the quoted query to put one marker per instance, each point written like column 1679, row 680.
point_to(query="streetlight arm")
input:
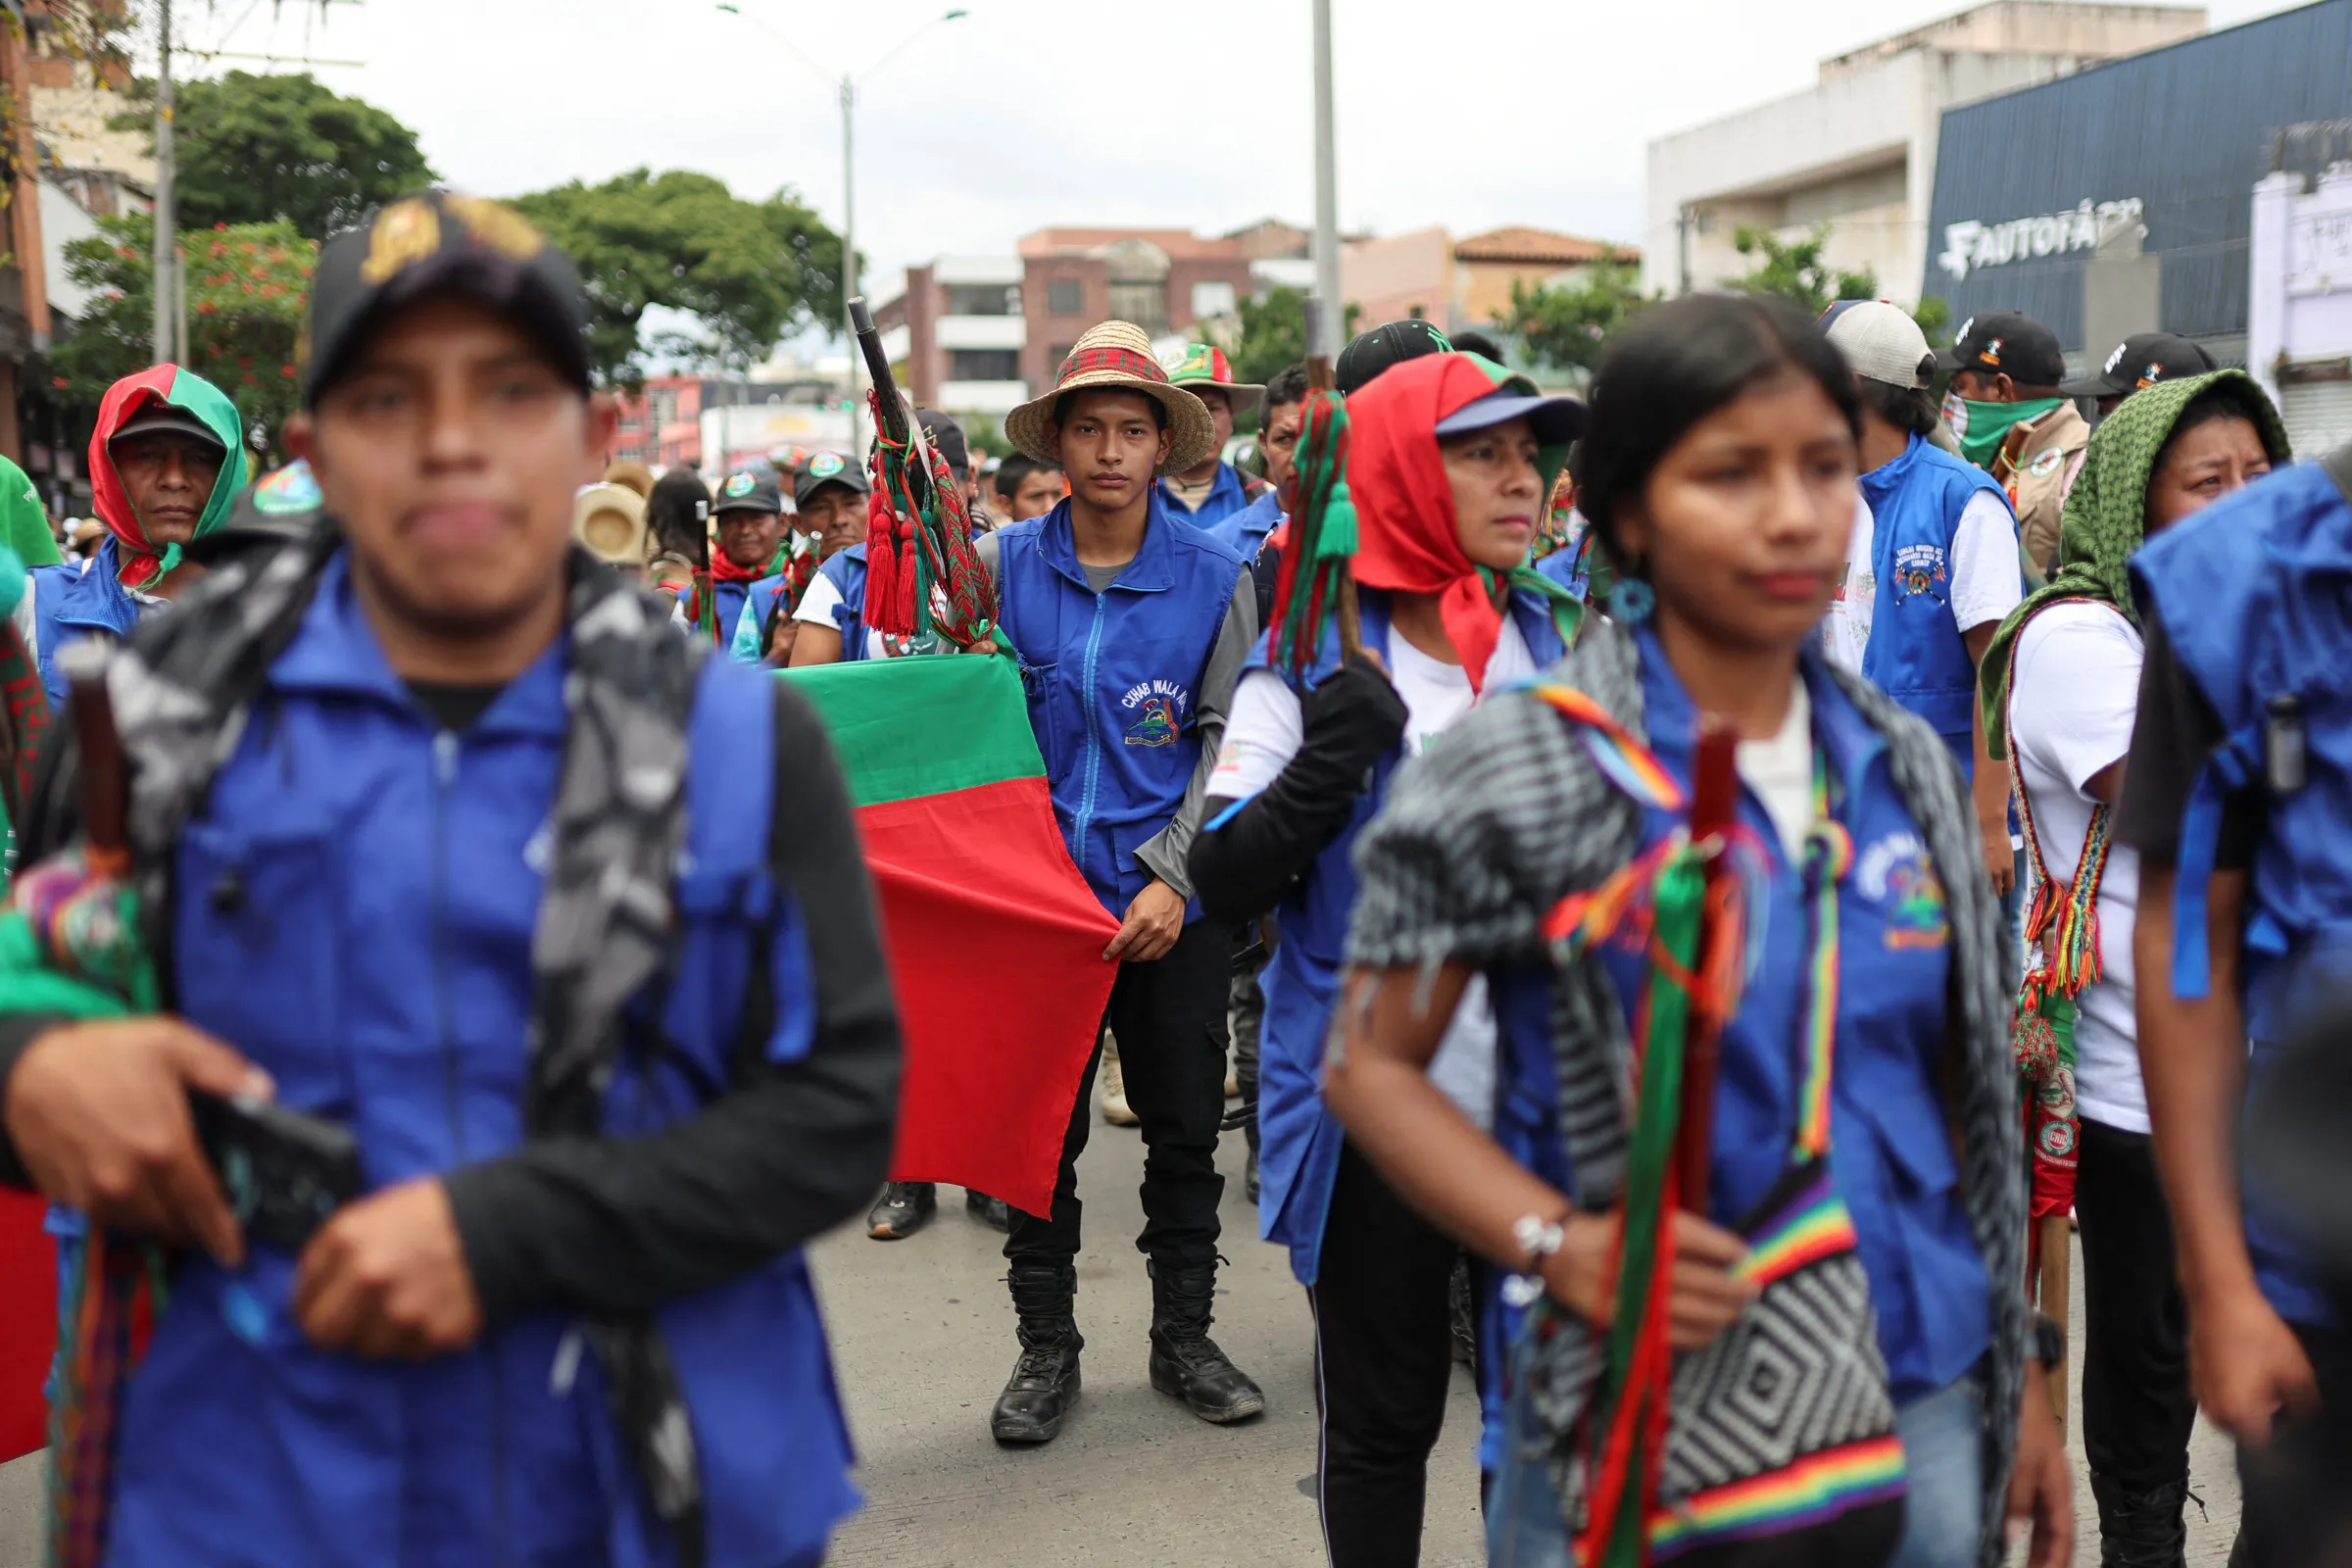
column 907, row 42
column 777, row 34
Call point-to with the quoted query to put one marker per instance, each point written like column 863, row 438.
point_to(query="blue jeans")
column 1942, row 1437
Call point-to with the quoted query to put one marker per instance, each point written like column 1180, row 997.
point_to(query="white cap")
column 1884, row 344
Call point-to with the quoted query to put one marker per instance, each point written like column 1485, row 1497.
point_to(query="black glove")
column 1348, row 724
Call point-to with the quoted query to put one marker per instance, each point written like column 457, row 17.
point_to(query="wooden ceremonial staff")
column 1714, row 805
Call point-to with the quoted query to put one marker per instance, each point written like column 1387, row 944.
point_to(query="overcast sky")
column 1466, row 113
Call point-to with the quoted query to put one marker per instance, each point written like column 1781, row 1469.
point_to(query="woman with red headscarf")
column 1450, row 466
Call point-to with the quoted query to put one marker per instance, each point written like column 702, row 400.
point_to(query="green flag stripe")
column 927, row 725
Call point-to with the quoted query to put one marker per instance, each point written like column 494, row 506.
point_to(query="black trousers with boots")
column 1169, row 1016
column 1384, row 1353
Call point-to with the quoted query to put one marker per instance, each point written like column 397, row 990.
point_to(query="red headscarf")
column 1407, row 537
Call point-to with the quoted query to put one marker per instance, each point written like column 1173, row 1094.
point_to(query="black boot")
column 1044, row 1382
column 1184, row 1360
column 2140, row 1529
column 989, row 1210
column 904, row 1208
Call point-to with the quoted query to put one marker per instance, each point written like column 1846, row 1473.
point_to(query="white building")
column 1857, row 149
column 2299, row 304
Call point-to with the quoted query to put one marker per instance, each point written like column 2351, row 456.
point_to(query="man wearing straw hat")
column 1133, row 627
column 1213, row 489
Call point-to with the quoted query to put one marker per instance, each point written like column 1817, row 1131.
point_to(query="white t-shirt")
column 819, row 600
column 1266, row 731
column 1781, row 773
column 2071, row 707
column 1987, row 580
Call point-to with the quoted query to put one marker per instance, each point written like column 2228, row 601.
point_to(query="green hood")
column 2106, row 519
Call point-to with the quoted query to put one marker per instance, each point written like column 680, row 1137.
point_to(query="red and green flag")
column 995, row 940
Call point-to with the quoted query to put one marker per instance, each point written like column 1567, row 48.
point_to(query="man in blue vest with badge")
column 1933, row 567
column 1133, row 627
column 495, row 964
column 2234, row 794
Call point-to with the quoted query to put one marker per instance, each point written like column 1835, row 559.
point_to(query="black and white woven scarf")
column 182, row 687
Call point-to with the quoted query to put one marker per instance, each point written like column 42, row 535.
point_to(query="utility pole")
column 1334, row 314
column 165, row 173
column 849, row 257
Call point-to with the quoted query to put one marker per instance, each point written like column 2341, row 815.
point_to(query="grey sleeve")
column 1168, row 852
column 992, row 555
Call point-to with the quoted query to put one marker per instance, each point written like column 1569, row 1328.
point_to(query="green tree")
column 247, row 288
column 254, row 148
column 1565, row 327
column 749, row 272
column 1274, row 333
column 1794, row 271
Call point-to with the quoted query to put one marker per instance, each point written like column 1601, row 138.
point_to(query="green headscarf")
column 2106, row 517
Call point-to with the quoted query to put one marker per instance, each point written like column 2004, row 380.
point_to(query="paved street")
column 922, row 1331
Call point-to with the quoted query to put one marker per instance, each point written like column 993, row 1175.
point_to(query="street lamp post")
column 848, row 85
column 1334, row 327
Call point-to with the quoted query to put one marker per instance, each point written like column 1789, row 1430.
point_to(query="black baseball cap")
column 822, row 469
column 162, row 419
column 441, row 242
column 2142, row 360
column 2006, row 343
column 747, row 491
column 943, row 433
column 1387, row 345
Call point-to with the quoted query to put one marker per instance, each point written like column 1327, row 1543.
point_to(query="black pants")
column 1383, row 1357
column 2297, row 1490
column 2136, row 1409
column 1245, row 1014
column 1169, row 1016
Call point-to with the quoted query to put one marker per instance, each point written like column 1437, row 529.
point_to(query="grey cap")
column 162, row 419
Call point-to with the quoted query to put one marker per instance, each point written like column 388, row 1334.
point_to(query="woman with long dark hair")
column 1450, row 468
column 1821, row 1357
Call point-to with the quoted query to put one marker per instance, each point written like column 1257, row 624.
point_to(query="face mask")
column 1980, row 427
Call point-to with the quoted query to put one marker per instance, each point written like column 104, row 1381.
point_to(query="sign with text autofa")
column 1971, row 245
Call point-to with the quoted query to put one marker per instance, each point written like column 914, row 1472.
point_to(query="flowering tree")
column 248, row 286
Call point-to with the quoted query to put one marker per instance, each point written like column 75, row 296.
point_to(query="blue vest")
column 1246, row 530
column 69, row 601
column 1114, row 679
column 1299, row 1143
column 1915, row 653
column 2251, row 594
column 846, row 571
column 751, row 627
column 730, row 597
column 1228, row 494
column 375, row 961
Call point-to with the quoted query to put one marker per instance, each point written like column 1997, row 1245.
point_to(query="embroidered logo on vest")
column 1897, row 874
column 1158, row 707
column 1920, row 569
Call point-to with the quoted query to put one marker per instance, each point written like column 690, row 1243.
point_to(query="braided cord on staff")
column 1323, row 536
column 934, row 577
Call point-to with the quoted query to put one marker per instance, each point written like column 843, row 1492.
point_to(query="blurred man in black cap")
column 2140, row 361
column 557, row 1313
column 944, row 433
column 2015, row 423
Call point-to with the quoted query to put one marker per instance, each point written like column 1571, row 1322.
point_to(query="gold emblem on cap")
column 403, row 233
column 496, row 225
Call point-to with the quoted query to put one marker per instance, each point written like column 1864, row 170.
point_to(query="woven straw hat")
column 610, row 519
column 1118, row 355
